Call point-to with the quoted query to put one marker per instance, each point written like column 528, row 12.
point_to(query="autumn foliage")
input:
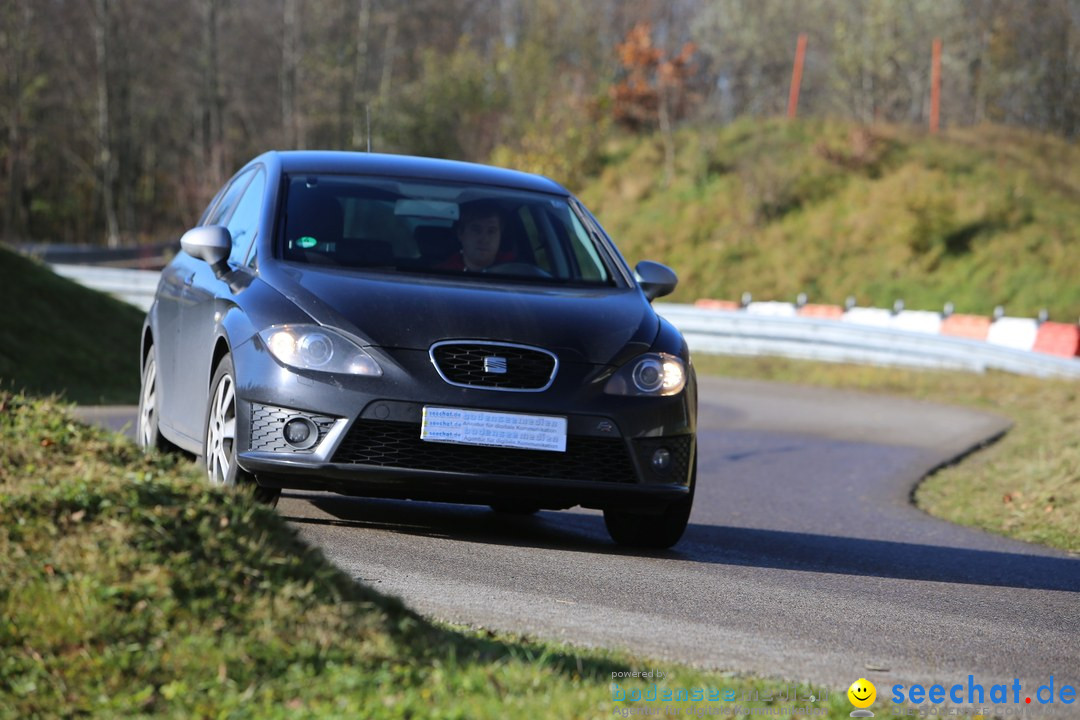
column 653, row 83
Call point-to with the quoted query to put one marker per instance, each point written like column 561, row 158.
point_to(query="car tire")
column 650, row 530
column 219, row 438
column 147, row 434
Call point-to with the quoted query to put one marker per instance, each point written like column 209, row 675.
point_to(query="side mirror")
column 656, row 280
column 211, row 243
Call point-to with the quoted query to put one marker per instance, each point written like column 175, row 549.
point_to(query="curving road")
column 804, row 559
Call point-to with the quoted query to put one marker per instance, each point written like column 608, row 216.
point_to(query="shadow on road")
column 742, row 547
column 469, row 523
column 878, row 558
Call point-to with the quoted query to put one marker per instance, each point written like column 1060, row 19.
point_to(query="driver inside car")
column 479, row 230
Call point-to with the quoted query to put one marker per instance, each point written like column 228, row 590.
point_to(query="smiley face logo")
column 862, row 694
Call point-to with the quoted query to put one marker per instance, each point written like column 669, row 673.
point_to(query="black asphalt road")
column 804, row 560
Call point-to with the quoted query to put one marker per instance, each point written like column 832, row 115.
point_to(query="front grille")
column 679, row 446
column 398, row 445
column 464, row 364
column 268, row 422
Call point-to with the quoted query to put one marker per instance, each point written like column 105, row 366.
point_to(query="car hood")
column 594, row 325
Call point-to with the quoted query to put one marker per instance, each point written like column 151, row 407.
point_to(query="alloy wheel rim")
column 221, row 433
column 149, row 398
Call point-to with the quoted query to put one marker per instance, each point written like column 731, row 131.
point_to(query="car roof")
column 334, row 162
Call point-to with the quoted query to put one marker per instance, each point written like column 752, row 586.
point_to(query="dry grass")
column 980, row 216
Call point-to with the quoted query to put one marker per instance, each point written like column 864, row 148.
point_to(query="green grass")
column 57, row 336
column 1025, row 486
column 980, row 217
column 130, row 589
column 127, row 588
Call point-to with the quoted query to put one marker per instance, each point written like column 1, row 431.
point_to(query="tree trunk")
column 213, row 111
column 121, row 105
column 15, row 33
column 289, row 61
column 388, row 60
column 359, row 106
column 106, row 161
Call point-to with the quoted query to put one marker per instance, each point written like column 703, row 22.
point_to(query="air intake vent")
column 398, row 445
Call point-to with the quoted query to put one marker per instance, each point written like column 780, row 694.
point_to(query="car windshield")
column 404, row 225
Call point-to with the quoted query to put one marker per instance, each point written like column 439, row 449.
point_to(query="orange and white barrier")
column 771, row 309
column 874, row 317
column 972, row 327
column 1013, row 332
column 920, row 321
column 710, row 304
column 1027, row 334
column 1057, row 338
column 827, row 312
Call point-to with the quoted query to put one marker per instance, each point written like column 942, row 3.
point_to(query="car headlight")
column 649, row 374
column 313, row 347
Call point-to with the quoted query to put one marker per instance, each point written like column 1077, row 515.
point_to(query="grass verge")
column 58, row 336
column 1026, row 486
column 130, row 589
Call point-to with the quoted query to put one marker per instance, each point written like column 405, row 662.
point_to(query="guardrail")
column 130, row 257
column 737, row 332
column 136, row 287
column 867, row 337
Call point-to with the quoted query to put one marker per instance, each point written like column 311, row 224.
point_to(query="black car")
column 404, row 327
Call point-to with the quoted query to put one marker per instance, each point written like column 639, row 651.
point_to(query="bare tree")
column 212, row 100
column 17, row 37
column 358, row 87
column 290, row 51
column 106, row 159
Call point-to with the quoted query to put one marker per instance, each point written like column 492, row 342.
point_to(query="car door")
column 171, row 295
column 196, row 319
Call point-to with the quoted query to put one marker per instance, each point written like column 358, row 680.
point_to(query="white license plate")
column 497, row 429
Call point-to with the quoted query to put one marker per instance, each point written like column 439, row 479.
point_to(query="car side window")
column 212, row 205
column 220, row 214
column 243, row 225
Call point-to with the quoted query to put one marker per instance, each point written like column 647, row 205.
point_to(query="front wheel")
column 220, row 441
column 650, row 530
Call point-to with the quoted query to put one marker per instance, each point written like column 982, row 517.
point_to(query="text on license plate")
column 497, row 429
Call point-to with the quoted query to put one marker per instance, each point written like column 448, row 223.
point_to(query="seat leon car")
column 403, row 327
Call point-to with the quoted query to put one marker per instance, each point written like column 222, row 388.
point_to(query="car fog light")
column 661, row 459
column 301, row 433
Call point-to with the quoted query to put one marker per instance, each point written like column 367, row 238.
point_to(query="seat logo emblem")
column 495, row 365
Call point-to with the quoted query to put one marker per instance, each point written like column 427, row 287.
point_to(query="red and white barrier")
column 771, row 309
column 874, row 317
column 826, row 312
column 1057, row 338
column 973, row 327
column 709, row 304
column 920, row 321
column 1013, row 332
column 1026, row 334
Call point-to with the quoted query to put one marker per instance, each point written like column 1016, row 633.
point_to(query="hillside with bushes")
column 59, row 337
column 979, row 217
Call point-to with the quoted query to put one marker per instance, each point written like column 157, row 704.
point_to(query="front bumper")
column 369, row 443
column 411, row 484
